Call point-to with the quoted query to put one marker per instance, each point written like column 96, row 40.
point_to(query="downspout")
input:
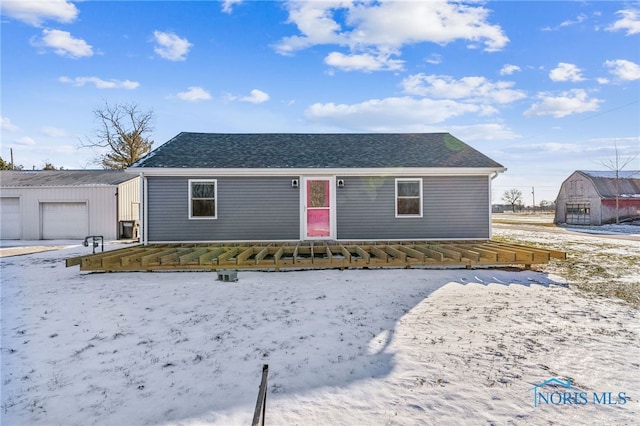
column 491, row 178
column 143, row 209
column 117, row 214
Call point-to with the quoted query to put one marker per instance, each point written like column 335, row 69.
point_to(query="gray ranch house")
column 305, row 187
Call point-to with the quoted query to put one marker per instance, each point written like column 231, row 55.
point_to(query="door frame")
column 332, row 207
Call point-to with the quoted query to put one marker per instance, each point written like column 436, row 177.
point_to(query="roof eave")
column 387, row 171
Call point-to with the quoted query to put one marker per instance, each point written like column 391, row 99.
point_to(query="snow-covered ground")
column 354, row 347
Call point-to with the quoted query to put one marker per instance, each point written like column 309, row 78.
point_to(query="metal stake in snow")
column 261, row 404
column 94, row 239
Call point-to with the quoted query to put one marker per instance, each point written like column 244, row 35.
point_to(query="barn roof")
column 605, row 182
column 317, row 151
column 20, row 178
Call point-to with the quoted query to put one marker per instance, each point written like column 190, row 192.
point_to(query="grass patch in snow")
column 608, row 268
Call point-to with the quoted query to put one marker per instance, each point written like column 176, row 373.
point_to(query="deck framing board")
column 308, row 255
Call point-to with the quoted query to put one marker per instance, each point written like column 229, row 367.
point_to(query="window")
column 202, row 199
column 408, row 197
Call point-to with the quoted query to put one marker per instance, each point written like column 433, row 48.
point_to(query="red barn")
column 598, row 197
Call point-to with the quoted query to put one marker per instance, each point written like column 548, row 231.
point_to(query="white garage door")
column 11, row 224
column 64, row 221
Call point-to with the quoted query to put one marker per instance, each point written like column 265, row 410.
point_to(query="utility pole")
column 13, row 166
column 533, row 192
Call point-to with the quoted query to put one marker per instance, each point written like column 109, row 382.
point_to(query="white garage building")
column 68, row 204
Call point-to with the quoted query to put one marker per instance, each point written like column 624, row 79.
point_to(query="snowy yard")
column 354, row 347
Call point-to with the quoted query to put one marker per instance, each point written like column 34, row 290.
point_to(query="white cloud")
column 483, row 132
column 434, row 59
column 64, row 44
column 26, row 140
column 389, row 113
column 471, row 89
column 54, row 132
column 509, row 69
column 193, row 94
column 629, row 21
column 571, row 102
column 100, row 83
column 227, row 5
column 170, row 46
column 315, row 21
column 34, row 12
column 256, row 97
column 384, row 27
column 6, row 124
column 623, row 69
column 581, row 18
column 555, row 147
column 566, row 72
column 363, row 62
column 398, row 23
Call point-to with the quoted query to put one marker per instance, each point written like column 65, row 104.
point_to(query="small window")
column 408, row 197
column 202, row 199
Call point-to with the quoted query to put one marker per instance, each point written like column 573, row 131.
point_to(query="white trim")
column 332, row 208
column 215, row 199
column 408, row 216
column 329, row 172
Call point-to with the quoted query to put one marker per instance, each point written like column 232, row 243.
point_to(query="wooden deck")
column 309, row 255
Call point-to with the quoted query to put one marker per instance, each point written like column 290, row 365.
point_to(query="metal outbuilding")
column 68, row 204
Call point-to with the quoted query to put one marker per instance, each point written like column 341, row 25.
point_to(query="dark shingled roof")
column 321, row 150
column 11, row 178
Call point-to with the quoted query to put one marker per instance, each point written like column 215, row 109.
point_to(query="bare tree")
column 123, row 129
column 617, row 164
column 513, row 197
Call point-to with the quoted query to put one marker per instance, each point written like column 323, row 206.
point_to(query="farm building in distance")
column 68, row 204
column 307, row 187
column 589, row 197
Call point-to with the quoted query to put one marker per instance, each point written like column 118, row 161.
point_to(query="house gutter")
column 318, row 171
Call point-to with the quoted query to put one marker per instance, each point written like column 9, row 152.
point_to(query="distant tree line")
column 4, row 165
column 513, row 199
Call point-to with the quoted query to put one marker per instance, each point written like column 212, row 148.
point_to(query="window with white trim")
column 408, row 197
column 202, row 199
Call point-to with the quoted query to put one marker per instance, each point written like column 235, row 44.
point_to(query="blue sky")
column 544, row 87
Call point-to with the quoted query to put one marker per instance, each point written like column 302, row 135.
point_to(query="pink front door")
column 318, row 208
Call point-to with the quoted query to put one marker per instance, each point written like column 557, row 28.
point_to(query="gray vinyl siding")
column 264, row 208
column 453, row 207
